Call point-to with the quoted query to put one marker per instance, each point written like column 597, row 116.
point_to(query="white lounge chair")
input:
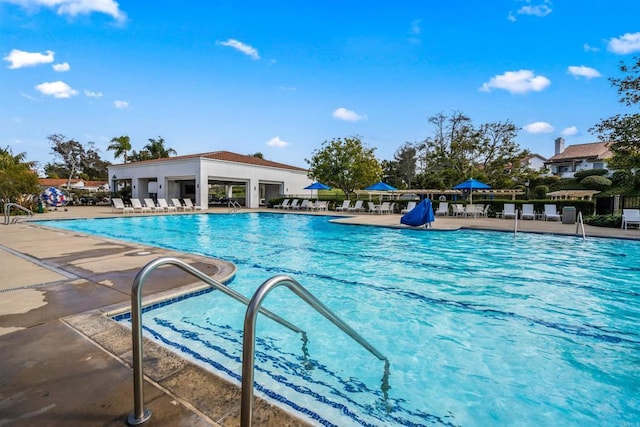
column 151, row 205
column 163, row 205
column 509, row 211
column 457, row 209
column 179, row 206
column 118, row 204
column 357, row 207
column 409, row 208
column 630, row 217
column 443, row 209
column 372, row 208
column 551, row 212
column 189, row 204
column 283, row 205
column 346, row 204
column 384, row 208
column 294, row 204
column 137, row 206
column 527, row 211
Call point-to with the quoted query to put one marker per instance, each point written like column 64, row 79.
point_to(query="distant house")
column 534, row 162
column 566, row 162
column 76, row 184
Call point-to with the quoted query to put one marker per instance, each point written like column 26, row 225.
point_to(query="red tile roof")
column 58, row 182
column 228, row 156
column 594, row 150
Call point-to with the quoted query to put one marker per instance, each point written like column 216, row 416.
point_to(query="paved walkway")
column 64, row 362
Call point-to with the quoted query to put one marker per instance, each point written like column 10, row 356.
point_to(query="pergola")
column 434, row 194
column 572, row 194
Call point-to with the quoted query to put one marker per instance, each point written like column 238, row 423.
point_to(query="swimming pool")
column 480, row 328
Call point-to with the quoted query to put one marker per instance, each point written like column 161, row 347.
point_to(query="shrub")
column 595, row 182
column 622, row 178
column 540, row 191
column 614, row 221
column 590, row 172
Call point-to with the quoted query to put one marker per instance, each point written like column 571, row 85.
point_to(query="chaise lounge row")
column 150, row 206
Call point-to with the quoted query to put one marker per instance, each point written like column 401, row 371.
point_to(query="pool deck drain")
column 64, row 361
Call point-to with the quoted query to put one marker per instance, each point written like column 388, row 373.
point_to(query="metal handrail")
column 580, row 224
column 233, row 206
column 7, row 213
column 248, row 346
column 140, row 414
column 515, row 227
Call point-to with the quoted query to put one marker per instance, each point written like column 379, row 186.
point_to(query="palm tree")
column 120, row 146
column 157, row 150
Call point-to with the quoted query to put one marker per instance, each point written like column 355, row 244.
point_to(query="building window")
column 598, row 165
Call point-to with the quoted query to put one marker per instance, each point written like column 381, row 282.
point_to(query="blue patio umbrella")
column 380, row 186
column 472, row 184
column 317, row 186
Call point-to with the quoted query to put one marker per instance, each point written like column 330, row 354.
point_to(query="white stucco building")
column 191, row 176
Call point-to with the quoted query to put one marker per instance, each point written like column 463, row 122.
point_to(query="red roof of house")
column 60, row 182
column 229, row 157
column 594, row 150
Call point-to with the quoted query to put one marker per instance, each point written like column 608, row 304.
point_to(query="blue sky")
column 281, row 77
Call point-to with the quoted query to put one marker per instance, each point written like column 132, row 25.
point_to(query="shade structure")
column 470, row 185
column 317, row 186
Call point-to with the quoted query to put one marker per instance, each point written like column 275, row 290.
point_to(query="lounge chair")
column 189, row 204
column 372, row 208
column 357, row 207
column 457, row 209
column 392, row 208
column 152, row 206
column 630, row 217
column 527, row 211
column 509, row 211
column 179, row 206
column 294, row 204
column 346, row 204
column 137, row 206
column 384, row 208
column 321, row 205
column 283, row 205
column 551, row 212
column 305, row 205
column 118, row 204
column 443, row 209
column 163, row 205
column 409, row 208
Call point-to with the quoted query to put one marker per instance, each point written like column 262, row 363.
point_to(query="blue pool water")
column 480, row 328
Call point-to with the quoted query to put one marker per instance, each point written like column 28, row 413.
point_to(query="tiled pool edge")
column 196, row 388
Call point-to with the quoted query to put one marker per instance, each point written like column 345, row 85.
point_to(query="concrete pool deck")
column 64, row 362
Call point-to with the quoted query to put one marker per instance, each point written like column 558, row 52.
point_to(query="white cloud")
column 61, row 68
column 20, row 58
column 244, row 48
column 538, row 127
column 348, row 115
column 522, row 81
column 415, row 26
column 582, row 71
column 91, row 94
column 121, row 104
column 627, row 43
column 588, row 48
column 56, row 89
column 538, row 10
column 277, row 142
column 288, row 88
column 76, row 7
column 511, row 17
column 570, row 131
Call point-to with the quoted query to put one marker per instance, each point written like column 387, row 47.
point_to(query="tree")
column 401, row 171
column 623, row 130
column 157, row 150
column 75, row 160
column 259, row 155
column 17, row 177
column 345, row 164
column 120, row 146
column 458, row 151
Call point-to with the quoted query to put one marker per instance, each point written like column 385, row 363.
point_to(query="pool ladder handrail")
column 515, row 226
column 7, row 212
column 248, row 346
column 234, row 206
column 140, row 414
column 580, row 226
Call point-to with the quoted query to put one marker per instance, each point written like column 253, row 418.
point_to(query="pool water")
column 480, row 328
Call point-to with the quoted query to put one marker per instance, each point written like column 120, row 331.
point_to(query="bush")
column 590, row 172
column 595, row 182
column 622, row 178
column 614, row 221
column 540, row 191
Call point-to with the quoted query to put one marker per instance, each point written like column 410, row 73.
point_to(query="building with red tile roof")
column 566, row 162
